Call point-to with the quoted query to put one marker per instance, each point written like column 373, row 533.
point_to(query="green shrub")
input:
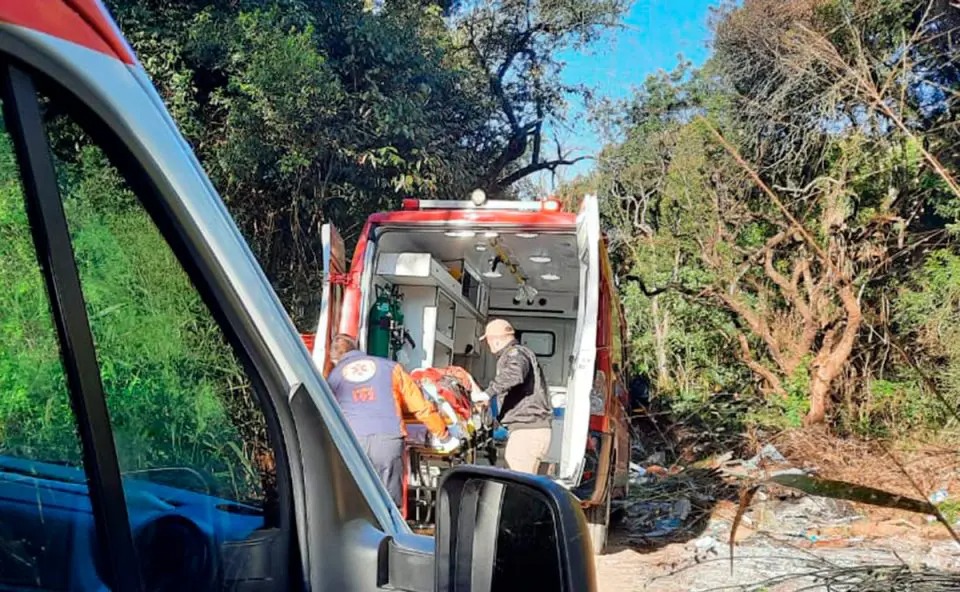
column 175, row 392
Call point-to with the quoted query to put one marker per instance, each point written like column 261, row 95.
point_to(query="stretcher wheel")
column 492, row 453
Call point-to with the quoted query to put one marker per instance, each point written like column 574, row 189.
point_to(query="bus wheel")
column 598, row 519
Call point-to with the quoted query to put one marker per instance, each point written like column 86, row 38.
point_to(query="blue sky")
column 655, row 33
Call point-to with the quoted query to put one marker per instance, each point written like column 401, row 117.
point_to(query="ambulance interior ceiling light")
column 527, row 235
column 460, row 233
column 480, row 247
column 550, row 277
column 540, row 259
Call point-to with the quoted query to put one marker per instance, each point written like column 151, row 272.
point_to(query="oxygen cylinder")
column 378, row 334
column 397, row 332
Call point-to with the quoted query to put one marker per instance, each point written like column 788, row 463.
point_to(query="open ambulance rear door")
column 576, row 421
column 331, row 295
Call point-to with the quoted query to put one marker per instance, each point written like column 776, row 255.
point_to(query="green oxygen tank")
column 378, row 334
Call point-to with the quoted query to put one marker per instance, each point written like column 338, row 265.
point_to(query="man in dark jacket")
column 520, row 390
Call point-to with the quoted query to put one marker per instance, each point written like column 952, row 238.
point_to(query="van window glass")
column 542, row 343
column 191, row 438
column 46, row 530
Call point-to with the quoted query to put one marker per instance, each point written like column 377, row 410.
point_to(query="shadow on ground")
column 668, row 508
column 668, row 502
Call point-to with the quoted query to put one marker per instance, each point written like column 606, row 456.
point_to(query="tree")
column 514, row 48
column 308, row 112
column 305, row 112
column 785, row 185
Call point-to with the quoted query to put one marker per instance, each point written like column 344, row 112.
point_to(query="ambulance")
column 425, row 279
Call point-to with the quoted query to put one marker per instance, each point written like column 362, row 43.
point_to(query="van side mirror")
column 500, row 530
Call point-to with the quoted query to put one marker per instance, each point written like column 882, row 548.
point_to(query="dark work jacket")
column 520, row 389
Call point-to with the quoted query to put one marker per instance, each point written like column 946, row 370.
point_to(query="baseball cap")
column 497, row 328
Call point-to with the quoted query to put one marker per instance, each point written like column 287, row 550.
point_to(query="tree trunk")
column 661, row 330
column 833, row 357
column 772, row 382
column 819, row 400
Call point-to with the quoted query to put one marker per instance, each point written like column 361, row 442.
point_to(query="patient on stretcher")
column 450, row 390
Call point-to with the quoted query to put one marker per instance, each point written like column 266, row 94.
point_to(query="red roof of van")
column 84, row 22
column 480, row 217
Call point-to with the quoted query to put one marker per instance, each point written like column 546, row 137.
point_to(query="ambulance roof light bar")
column 546, row 205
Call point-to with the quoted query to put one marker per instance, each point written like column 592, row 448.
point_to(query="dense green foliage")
column 176, row 396
column 785, row 216
column 37, row 421
column 310, row 112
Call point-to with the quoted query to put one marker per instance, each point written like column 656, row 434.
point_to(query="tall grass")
column 176, row 394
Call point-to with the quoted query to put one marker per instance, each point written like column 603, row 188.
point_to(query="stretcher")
column 449, row 389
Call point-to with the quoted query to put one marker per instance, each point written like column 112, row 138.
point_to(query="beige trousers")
column 526, row 448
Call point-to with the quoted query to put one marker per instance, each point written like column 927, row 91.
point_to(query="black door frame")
column 51, row 237
column 19, row 83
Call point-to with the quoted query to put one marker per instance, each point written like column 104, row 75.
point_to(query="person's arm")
column 412, row 401
column 477, row 394
column 512, row 369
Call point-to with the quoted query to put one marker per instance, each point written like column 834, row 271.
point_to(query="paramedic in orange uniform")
column 374, row 393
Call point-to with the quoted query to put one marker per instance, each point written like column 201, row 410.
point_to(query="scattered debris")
column 853, row 492
column 790, row 471
column 939, row 496
column 638, row 475
column 770, row 452
column 706, row 543
column 657, row 458
column 657, row 470
column 870, row 578
column 671, row 505
column 704, row 547
column 796, row 531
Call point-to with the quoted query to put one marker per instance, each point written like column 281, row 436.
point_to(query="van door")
column 331, row 295
column 577, row 413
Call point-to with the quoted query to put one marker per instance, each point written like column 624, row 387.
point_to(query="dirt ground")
column 673, row 531
column 776, row 562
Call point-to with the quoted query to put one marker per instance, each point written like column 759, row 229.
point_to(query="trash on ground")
column 705, row 543
column 791, row 471
column 770, row 452
column 657, row 458
column 681, row 509
column 852, row 492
